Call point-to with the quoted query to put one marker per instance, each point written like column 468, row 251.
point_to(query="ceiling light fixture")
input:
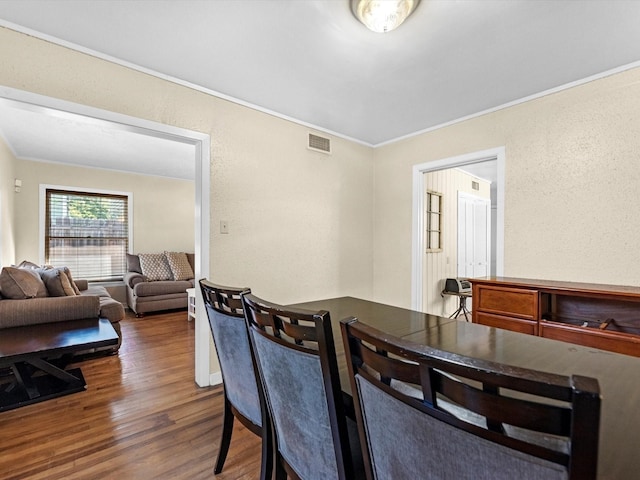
column 383, row 15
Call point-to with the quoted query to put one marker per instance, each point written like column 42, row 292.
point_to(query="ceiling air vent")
column 319, row 144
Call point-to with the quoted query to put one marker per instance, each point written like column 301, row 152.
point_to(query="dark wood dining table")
column 617, row 374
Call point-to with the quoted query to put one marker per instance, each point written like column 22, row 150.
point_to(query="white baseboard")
column 215, row 378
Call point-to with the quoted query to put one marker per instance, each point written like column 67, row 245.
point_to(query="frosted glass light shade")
column 383, row 15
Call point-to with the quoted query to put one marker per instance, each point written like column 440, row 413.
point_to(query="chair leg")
column 268, row 454
column 227, row 430
column 281, row 473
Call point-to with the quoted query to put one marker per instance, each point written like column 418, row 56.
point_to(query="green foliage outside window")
column 96, row 208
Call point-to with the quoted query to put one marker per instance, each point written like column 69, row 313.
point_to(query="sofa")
column 158, row 281
column 30, row 294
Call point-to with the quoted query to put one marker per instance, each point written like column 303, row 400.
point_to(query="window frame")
column 80, row 190
column 429, row 230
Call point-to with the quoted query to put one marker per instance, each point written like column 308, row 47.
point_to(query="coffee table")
column 37, row 354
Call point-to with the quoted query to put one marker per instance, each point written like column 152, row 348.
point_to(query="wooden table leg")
column 23, row 379
column 64, row 375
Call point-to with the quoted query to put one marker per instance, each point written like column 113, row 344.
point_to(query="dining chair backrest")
column 226, row 318
column 295, row 355
column 242, row 395
column 425, row 413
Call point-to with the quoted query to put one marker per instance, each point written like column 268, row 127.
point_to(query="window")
column 87, row 232
column 434, row 222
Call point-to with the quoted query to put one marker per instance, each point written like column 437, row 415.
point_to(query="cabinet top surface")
column 559, row 286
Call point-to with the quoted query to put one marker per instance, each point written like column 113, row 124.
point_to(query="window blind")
column 87, row 232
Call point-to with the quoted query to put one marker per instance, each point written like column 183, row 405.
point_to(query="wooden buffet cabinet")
column 600, row 316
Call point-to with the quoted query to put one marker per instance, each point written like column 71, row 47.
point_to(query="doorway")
column 447, row 264
column 201, row 142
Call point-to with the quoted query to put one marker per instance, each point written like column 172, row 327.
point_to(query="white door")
column 474, row 236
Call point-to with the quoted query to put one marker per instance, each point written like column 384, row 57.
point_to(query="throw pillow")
column 19, row 283
column 133, row 263
column 154, row 266
column 57, row 282
column 179, row 264
column 28, row 264
column 73, row 284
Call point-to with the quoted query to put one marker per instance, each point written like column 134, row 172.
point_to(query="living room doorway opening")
column 13, row 98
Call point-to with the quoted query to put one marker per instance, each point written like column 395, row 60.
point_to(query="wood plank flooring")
column 141, row 417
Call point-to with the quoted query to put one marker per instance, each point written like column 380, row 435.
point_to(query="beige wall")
column 163, row 209
column 300, row 222
column 7, row 196
column 571, row 178
column 437, row 266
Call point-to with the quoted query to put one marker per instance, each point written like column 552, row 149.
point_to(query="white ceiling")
column 41, row 134
column 311, row 61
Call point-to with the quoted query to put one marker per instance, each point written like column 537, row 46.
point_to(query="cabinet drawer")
column 591, row 337
column 512, row 302
column 507, row 323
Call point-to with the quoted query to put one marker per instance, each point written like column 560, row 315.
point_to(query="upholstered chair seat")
column 241, row 391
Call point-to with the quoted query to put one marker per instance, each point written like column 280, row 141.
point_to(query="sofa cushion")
column 17, row 313
column 110, row 308
column 58, row 282
column 133, row 263
column 20, row 283
column 28, row 264
column 76, row 289
column 154, row 266
column 179, row 264
column 145, row 289
column 96, row 290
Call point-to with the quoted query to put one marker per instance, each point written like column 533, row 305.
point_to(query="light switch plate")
column 224, row 226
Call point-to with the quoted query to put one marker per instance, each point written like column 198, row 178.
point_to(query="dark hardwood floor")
column 141, row 417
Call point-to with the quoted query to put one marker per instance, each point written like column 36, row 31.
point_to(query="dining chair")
column 425, row 413
column 241, row 392
column 296, row 360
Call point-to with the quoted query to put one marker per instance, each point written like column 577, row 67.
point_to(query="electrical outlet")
column 224, row 226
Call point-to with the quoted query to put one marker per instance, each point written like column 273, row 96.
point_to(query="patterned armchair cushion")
column 155, row 266
column 179, row 264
